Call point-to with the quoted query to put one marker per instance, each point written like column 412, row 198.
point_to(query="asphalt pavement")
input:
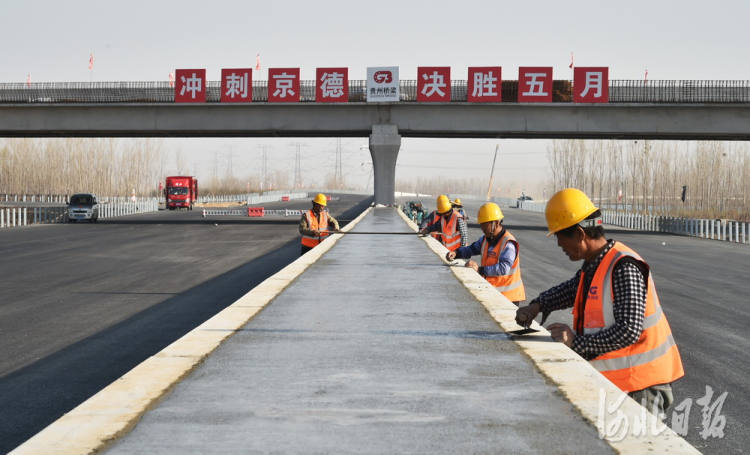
column 82, row 304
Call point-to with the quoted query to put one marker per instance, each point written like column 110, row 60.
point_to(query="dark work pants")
column 659, row 394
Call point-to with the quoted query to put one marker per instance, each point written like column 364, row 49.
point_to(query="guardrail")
column 723, row 230
column 25, row 216
column 620, row 91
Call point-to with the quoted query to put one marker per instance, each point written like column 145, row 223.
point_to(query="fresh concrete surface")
column 376, row 348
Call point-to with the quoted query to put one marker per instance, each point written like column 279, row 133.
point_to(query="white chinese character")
column 484, row 85
column 535, row 86
column 712, row 427
column 333, row 85
column 191, row 84
column 435, row 85
column 283, row 85
column 680, row 421
column 610, row 431
column 237, row 85
column 593, row 81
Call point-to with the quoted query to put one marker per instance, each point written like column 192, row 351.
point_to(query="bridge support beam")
column 384, row 145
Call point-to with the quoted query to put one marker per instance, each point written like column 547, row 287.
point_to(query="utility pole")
column 229, row 159
column 339, row 166
column 297, row 164
column 492, row 173
column 264, row 166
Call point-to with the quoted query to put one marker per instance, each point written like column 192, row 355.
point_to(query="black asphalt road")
column 82, row 304
column 702, row 286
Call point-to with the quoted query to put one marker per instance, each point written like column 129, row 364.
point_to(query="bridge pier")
column 384, row 145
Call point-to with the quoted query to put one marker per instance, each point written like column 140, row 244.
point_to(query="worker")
column 449, row 225
column 618, row 323
column 457, row 205
column 316, row 224
column 501, row 258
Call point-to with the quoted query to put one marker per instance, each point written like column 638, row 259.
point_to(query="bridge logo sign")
column 382, row 84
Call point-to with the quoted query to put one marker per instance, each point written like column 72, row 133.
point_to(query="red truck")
column 181, row 192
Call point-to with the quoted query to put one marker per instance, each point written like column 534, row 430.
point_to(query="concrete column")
column 384, row 145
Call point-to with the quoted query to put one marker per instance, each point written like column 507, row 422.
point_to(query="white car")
column 83, row 206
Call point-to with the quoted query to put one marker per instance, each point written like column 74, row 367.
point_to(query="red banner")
column 332, row 85
column 591, row 85
column 237, row 85
column 535, row 84
column 434, row 84
column 283, row 85
column 485, row 84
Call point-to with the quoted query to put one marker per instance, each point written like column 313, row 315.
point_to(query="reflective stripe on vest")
column 451, row 234
column 510, row 285
column 654, row 358
column 313, row 224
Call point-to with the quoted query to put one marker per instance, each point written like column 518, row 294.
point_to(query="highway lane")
column 81, row 304
column 702, row 285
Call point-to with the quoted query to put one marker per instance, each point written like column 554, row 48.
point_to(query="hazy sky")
column 139, row 40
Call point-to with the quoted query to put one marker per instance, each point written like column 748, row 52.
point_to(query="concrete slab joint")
column 385, row 143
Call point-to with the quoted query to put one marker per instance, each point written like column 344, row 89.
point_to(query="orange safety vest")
column 313, row 224
column 451, row 234
column 511, row 285
column 651, row 360
column 435, row 219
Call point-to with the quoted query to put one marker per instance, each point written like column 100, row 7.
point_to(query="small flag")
column 171, row 79
column 28, row 81
column 619, row 195
column 91, row 62
column 571, row 61
column 645, row 78
column 684, row 190
column 257, row 62
column 161, row 187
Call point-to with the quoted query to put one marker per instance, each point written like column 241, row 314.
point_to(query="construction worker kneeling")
column 618, row 323
column 501, row 258
column 316, row 224
column 450, row 225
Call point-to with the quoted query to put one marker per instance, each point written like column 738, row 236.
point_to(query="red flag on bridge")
column 645, row 78
column 91, row 62
column 28, row 81
column 257, row 62
column 571, row 61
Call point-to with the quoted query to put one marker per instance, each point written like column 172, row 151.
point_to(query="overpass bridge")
column 656, row 110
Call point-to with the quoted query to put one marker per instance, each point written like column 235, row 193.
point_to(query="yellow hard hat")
column 321, row 199
column 489, row 212
column 457, row 201
column 566, row 208
column 443, row 204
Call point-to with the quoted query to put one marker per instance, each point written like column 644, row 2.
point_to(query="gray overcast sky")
column 146, row 40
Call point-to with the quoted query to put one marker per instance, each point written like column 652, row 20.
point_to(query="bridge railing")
column 620, row 91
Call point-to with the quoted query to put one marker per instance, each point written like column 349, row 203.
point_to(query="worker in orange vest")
column 316, row 224
column 500, row 251
column 618, row 322
column 449, row 223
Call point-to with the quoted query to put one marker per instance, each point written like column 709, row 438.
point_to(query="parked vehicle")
column 181, row 192
column 83, row 206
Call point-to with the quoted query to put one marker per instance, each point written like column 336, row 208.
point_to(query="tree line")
column 107, row 167
column 705, row 179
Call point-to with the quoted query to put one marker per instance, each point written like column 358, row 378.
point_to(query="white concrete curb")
column 114, row 411
column 576, row 379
